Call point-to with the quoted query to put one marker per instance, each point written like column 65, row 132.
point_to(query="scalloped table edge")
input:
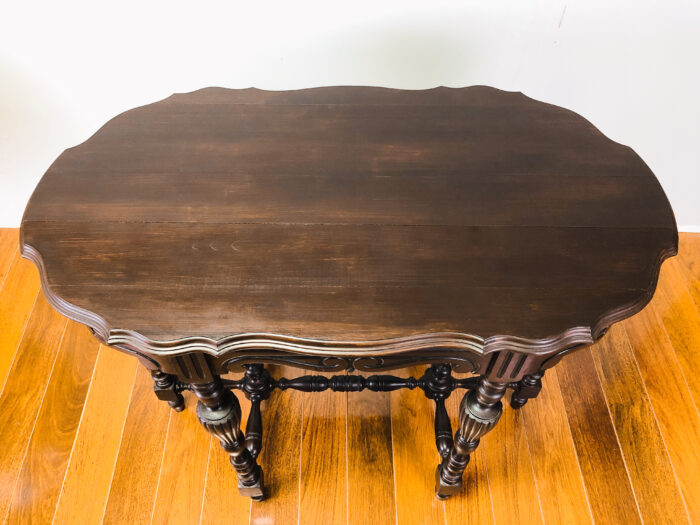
column 575, row 336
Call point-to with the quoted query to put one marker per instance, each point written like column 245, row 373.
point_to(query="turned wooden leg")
column 257, row 385
column 528, row 388
column 220, row 413
column 164, row 386
column 479, row 411
column 443, row 429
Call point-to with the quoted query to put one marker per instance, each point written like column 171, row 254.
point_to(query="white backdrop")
column 632, row 68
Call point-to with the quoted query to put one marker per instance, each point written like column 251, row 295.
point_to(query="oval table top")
column 353, row 219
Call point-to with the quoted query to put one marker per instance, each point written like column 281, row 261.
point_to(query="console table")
column 348, row 228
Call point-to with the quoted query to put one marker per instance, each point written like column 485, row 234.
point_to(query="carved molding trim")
column 348, row 353
column 628, row 310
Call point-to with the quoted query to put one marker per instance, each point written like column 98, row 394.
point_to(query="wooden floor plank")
column 647, row 365
column 473, row 504
column 89, row 473
column 604, row 472
column 557, row 471
column 323, row 481
column 222, row 503
column 179, row 497
column 681, row 319
column 281, row 454
column 511, row 477
column 670, row 397
column 689, row 258
column 133, row 489
column 24, row 392
column 415, row 456
column 40, row 480
column 17, row 297
column 370, row 465
column 643, row 448
column 9, row 249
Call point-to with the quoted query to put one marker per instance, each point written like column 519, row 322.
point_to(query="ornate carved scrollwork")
column 459, row 360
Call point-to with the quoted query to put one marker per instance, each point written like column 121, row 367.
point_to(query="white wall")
column 632, row 68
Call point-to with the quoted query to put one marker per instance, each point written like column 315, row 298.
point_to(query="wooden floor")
column 613, row 438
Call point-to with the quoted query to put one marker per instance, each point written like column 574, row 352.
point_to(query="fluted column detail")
column 479, row 412
column 219, row 412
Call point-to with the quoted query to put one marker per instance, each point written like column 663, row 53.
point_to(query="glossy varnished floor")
column 613, row 438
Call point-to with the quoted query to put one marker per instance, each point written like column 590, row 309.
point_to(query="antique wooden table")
column 348, row 228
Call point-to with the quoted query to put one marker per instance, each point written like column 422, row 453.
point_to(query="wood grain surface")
column 557, row 471
column 624, row 413
column 51, row 444
column 281, row 456
column 370, row 459
column 474, row 504
column 221, row 480
column 668, row 393
column 17, row 297
column 348, row 214
column 89, row 475
column 605, row 474
column 8, row 250
column 179, row 498
column 514, row 492
column 135, row 481
column 24, row 391
column 638, row 434
column 323, row 497
column 414, row 465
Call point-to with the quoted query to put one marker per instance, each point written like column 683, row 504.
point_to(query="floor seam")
column 36, row 418
column 77, row 433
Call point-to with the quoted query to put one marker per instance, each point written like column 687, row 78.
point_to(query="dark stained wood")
column 348, row 227
column 605, row 476
column 219, row 412
column 479, row 412
column 473, row 504
column 50, row 446
column 221, row 501
column 132, row 492
column 348, row 214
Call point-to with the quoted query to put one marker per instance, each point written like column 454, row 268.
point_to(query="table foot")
column 166, row 388
column 256, row 492
column 442, row 490
column 527, row 388
column 219, row 412
column 479, row 412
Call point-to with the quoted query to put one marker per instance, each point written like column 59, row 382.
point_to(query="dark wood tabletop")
column 349, row 217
